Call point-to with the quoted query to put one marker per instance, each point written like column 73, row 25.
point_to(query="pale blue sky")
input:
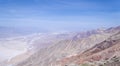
column 60, row 15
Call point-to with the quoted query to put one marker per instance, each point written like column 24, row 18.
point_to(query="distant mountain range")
column 91, row 48
column 6, row 32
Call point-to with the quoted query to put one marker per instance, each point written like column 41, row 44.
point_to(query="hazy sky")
column 55, row 15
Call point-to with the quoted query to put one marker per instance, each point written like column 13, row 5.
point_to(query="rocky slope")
column 87, row 46
column 98, row 54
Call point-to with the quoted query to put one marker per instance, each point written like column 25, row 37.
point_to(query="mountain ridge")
column 67, row 48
